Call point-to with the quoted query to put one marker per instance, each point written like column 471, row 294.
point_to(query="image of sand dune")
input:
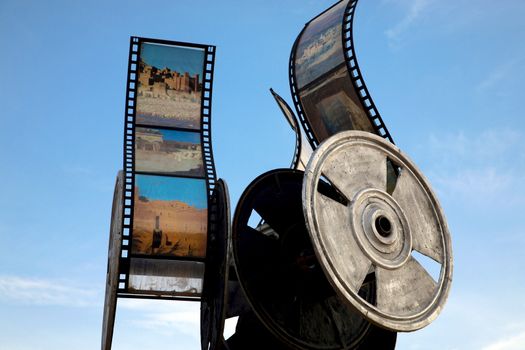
column 182, row 228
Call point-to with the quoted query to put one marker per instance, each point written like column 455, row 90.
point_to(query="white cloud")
column 481, row 183
column 483, row 167
column 499, row 75
column 415, row 10
column 473, row 318
column 38, row 291
column 486, row 144
column 164, row 316
column 77, row 170
column 508, row 342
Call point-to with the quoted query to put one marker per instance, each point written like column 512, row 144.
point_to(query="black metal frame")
column 294, row 124
column 353, row 72
column 129, row 157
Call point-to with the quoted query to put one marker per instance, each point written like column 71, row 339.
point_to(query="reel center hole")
column 383, row 226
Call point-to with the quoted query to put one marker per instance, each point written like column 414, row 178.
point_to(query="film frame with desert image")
column 320, row 47
column 331, row 105
column 170, row 217
column 170, row 86
column 170, row 152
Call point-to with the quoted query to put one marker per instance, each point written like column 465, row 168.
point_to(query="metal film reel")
column 372, row 228
column 215, row 289
column 115, row 242
column 280, row 276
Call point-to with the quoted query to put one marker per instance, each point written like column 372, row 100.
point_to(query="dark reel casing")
column 281, row 277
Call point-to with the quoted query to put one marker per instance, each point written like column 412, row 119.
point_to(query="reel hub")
column 380, row 227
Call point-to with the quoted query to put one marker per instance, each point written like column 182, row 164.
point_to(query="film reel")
column 370, row 230
column 280, row 276
column 215, row 289
column 115, row 242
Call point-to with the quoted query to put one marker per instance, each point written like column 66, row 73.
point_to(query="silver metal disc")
column 384, row 213
column 115, row 243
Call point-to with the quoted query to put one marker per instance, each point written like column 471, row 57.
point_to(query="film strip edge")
column 209, row 64
column 129, row 165
column 355, row 73
column 295, row 94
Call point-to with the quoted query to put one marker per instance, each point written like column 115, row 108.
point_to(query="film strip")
column 357, row 77
column 294, row 124
column 169, row 172
column 329, row 92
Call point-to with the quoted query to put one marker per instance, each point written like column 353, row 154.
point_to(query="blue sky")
column 447, row 77
column 174, row 57
column 166, row 188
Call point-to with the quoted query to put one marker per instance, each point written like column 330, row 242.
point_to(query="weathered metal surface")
column 281, row 276
column 115, row 242
column 371, row 229
column 215, row 292
column 166, row 277
column 237, row 303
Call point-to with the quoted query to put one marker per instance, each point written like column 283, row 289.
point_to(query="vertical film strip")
column 169, row 171
column 327, row 87
column 206, row 118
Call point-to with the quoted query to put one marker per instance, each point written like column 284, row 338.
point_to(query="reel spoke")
column 254, row 238
column 406, row 290
column 334, row 216
column 419, row 210
column 344, row 169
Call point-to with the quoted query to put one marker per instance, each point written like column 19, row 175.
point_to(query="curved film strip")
column 169, row 171
column 303, row 151
column 327, row 87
